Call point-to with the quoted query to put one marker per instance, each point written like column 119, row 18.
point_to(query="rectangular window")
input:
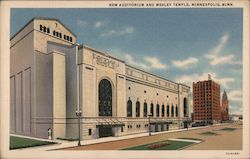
column 122, row 129
column 90, row 132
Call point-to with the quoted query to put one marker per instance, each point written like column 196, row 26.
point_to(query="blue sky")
column 182, row 45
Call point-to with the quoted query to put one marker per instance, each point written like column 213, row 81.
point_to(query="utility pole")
column 79, row 114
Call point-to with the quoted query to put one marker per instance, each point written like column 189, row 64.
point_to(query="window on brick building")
column 172, row 111
column 137, row 109
column 167, row 110
column 152, row 109
column 162, row 110
column 157, row 110
column 145, row 109
column 129, row 108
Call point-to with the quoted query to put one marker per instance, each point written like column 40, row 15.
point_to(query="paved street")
column 225, row 140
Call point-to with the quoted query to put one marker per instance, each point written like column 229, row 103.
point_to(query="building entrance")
column 167, row 127
column 105, row 131
column 162, row 127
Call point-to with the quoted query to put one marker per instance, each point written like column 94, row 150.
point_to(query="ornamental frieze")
column 103, row 61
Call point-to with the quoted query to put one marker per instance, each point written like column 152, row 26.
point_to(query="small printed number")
column 232, row 153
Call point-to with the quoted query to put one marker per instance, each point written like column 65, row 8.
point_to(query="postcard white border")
column 4, row 86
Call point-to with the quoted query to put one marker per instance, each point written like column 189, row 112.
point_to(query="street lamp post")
column 149, row 131
column 79, row 114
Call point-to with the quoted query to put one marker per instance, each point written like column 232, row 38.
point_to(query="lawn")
column 228, row 129
column 19, row 142
column 173, row 145
column 209, row 133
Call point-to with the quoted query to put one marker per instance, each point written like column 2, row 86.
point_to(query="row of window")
column 55, row 33
column 44, row 29
column 145, row 109
column 137, row 126
column 129, row 88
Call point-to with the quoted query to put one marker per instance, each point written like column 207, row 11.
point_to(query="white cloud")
column 223, row 41
column 99, row 24
column 81, row 23
column 123, row 31
column 214, row 54
column 155, row 63
column 131, row 61
column 147, row 63
column 219, row 60
column 189, row 79
column 185, row 63
column 235, row 95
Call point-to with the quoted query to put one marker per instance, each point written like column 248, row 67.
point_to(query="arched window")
column 54, row 32
column 162, row 110
column 167, row 110
column 185, row 111
column 137, row 109
column 44, row 29
column 145, row 109
column 152, row 109
column 105, row 98
column 172, row 111
column 157, row 110
column 129, row 108
column 41, row 27
column 48, row 31
column 176, row 111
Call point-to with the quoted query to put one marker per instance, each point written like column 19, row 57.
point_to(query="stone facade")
column 54, row 77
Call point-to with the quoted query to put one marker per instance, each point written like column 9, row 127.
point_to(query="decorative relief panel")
column 103, row 61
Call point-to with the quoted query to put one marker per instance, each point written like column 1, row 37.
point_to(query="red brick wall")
column 224, row 111
column 206, row 101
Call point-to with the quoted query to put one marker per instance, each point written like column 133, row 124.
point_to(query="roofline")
column 206, row 81
column 40, row 18
column 156, row 75
column 108, row 55
column 101, row 52
column 22, row 28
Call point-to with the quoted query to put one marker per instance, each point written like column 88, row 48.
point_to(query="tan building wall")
column 52, row 77
column 59, row 95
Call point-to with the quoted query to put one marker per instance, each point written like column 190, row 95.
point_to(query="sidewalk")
column 66, row 144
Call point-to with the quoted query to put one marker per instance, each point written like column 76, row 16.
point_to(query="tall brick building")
column 224, row 107
column 206, row 101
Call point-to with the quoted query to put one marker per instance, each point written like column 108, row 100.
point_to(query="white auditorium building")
column 52, row 76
